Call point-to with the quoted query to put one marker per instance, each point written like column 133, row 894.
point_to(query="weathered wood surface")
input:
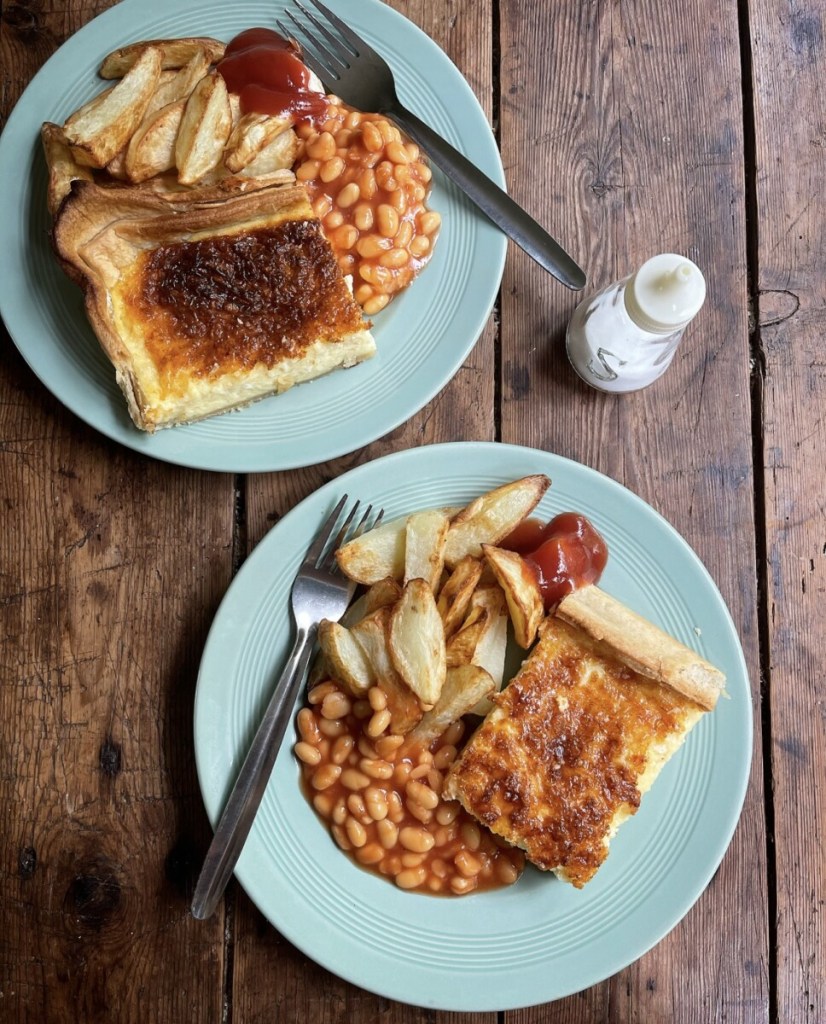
column 627, row 129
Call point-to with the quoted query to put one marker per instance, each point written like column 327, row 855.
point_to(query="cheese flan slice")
column 581, row 732
column 207, row 302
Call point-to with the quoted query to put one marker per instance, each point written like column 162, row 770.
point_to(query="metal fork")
column 352, row 69
column 319, row 592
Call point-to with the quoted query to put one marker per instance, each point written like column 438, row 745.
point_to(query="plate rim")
column 715, row 850
column 223, row 453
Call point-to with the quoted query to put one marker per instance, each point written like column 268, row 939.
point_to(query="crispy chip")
column 461, row 648
column 249, row 137
column 525, row 604
column 345, row 658
column 101, row 128
column 383, row 593
column 63, row 168
column 425, row 536
column 455, row 595
column 491, row 517
column 403, row 705
column 204, row 130
column 278, row 155
column 375, row 555
column 463, row 689
column 175, row 53
column 151, row 149
column 492, row 647
column 417, row 641
column 178, row 85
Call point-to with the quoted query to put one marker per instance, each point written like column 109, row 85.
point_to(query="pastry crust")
column 209, row 299
column 641, row 645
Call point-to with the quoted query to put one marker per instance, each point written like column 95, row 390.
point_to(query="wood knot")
column 109, row 758
column 26, row 862
column 93, row 896
column 24, row 20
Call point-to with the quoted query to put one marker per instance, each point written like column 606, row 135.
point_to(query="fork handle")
column 242, row 805
column 492, row 200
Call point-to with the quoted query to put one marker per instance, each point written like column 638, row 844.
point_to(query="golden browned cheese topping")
column 230, row 302
column 563, row 750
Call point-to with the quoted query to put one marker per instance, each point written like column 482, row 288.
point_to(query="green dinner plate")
column 423, row 337
column 539, row 939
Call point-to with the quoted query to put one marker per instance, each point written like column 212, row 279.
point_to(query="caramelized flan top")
column 563, row 751
column 228, row 302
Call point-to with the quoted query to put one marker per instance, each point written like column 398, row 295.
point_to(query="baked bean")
column 325, row 776
column 346, row 236
column 385, row 176
column 388, row 833
column 379, row 277
column 418, row 192
column 341, row 749
column 422, row 814
column 387, row 220
column 461, row 885
column 307, row 753
column 353, row 119
column 435, row 884
column 422, row 172
column 322, row 206
column 422, row 795
column 405, row 234
column 371, row 246
column 417, row 840
column 372, row 137
column 395, row 807
column 352, row 779
column 368, row 186
column 376, row 768
column 348, row 195
column 340, row 837
column 307, row 170
column 363, row 217
column 343, row 137
column 334, row 706
column 454, row 733
column 355, row 832
column 413, row 860
column 444, row 756
column 394, row 258
column 339, row 814
column 448, row 812
column 333, row 220
column 377, row 698
column 439, row 868
column 307, row 726
column 375, row 305
column 420, row 771
column 381, row 719
column 398, row 200
column 376, row 803
column 419, row 245
column 429, row 222
column 362, row 294
column 323, row 804
column 322, row 147
column 435, row 780
column 331, row 169
column 332, row 727
column 471, row 836
column 468, row 865
column 372, row 853
column 355, row 805
column 401, row 773
column 361, row 709
column 387, row 745
column 366, row 748
column 411, row 878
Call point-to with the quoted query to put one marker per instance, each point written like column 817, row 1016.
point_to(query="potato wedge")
column 278, row 155
column 455, row 595
column 383, row 593
column 425, row 536
column 492, row 647
column 491, row 517
column 101, row 128
column 151, row 149
column 345, row 658
column 62, row 166
column 204, row 130
column 417, row 641
column 175, row 53
column 375, row 555
column 178, row 85
column 525, row 604
column 464, row 688
column 403, row 705
column 461, row 648
column 253, row 133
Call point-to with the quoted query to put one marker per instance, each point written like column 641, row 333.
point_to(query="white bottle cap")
column 665, row 293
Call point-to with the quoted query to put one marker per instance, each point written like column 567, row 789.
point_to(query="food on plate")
column 196, row 122
column 202, row 305
column 563, row 752
column 579, row 734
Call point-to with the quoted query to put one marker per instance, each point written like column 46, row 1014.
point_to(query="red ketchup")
column 565, row 554
column 267, row 73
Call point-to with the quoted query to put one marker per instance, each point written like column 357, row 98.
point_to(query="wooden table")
column 629, row 129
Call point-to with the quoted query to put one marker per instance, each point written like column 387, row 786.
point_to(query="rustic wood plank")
column 112, row 567
column 788, row 50
column 267, row 971
column 621, row 127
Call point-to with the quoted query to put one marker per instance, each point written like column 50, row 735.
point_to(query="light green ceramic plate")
column 540, row 939
column 423, row 337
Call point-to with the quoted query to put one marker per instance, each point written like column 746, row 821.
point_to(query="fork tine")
column 342, row 533
column 315, row 549
column 334, row 63
column 358, row 44
column 336, row 41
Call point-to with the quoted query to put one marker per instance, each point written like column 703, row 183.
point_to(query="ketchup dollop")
column 267, row 73
column 565, row 554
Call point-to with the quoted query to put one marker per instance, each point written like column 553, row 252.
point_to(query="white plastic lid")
column 665, row 294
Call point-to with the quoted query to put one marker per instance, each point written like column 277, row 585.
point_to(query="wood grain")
column 788, row 50
column 622, row 130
